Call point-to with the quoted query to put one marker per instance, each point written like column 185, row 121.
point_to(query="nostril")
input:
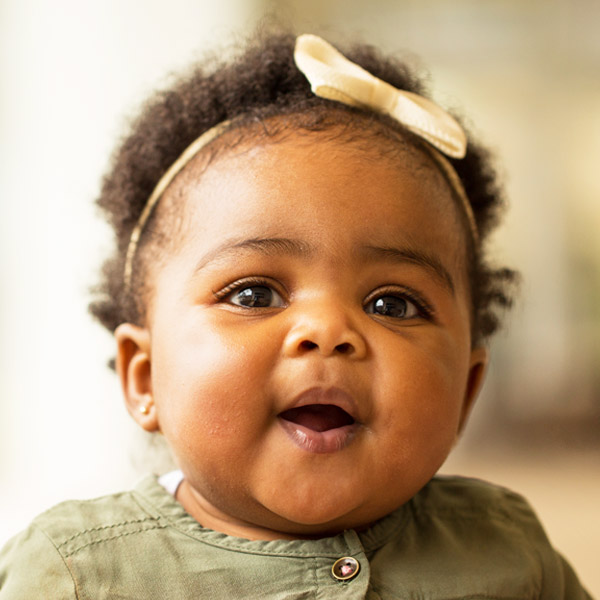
column 344, row 348
column 308, row 345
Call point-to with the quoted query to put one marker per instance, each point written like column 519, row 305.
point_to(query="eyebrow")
column 416, row 257
column 264, row 246
column 299, row 248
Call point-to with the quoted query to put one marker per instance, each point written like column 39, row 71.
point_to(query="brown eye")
column 393, row 306
column 256, row 296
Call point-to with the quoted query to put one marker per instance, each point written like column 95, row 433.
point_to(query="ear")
column 477, row 369
column 134, row 370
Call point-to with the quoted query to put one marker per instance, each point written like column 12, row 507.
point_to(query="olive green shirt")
column 457, row 538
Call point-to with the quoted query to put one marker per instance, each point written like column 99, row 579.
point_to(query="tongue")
column 318, row 417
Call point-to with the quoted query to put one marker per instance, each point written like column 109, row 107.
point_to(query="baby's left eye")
column 255, row 296
column 396, row 307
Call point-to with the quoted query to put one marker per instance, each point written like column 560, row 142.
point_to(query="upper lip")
column 330, row 395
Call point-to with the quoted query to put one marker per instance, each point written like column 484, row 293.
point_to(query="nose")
column 325, row 330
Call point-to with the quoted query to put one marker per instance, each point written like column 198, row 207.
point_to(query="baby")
column 300, row 299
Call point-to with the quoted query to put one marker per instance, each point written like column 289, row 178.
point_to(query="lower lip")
column 320, row 442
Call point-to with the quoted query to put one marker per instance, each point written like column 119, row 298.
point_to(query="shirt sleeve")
column 31, row 567
column 558, row 579
column 572, row 588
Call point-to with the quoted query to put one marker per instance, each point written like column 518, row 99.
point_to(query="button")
column 345, row 568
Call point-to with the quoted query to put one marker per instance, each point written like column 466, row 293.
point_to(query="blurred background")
column 526, row 73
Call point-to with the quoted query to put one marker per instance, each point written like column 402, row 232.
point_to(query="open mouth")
column 319, row 428
column 318, row 417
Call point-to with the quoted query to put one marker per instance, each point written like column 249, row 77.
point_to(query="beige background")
column 527, row 75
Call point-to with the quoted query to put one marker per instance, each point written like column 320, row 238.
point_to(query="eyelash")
column 240, row 284
column 424, row 308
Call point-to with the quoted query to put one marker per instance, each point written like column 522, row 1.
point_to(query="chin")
column 312, row 515
column 322, row 518
column 329, row 509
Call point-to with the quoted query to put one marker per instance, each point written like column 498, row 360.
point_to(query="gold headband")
column 334, row 77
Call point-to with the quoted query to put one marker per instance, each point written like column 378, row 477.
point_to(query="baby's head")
column 303, row 314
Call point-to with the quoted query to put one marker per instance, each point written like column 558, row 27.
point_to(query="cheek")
column 426, row 387
column 202, row 386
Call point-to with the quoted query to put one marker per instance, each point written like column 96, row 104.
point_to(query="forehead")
column 323, row 190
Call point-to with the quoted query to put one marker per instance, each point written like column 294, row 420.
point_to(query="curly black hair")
column 259, row 83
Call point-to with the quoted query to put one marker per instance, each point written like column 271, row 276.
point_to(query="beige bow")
column 333, row 76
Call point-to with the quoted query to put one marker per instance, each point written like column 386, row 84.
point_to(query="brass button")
column 345, row 568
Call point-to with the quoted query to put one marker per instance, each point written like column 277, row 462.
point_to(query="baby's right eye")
column 255, row 296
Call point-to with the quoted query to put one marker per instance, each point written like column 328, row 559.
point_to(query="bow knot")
column 334, row 77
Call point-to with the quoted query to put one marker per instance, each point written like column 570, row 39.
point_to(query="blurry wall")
column 525, row 73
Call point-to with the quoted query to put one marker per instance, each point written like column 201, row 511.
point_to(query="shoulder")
column 464, row 496
column 75, row 524
column 38, row 560
column 476, row 512
column 488, row 536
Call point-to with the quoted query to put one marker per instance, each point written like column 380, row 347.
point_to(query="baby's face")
column 309, row 342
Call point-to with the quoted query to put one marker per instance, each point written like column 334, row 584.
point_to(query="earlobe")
column 477, row 369
column 134, row 369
